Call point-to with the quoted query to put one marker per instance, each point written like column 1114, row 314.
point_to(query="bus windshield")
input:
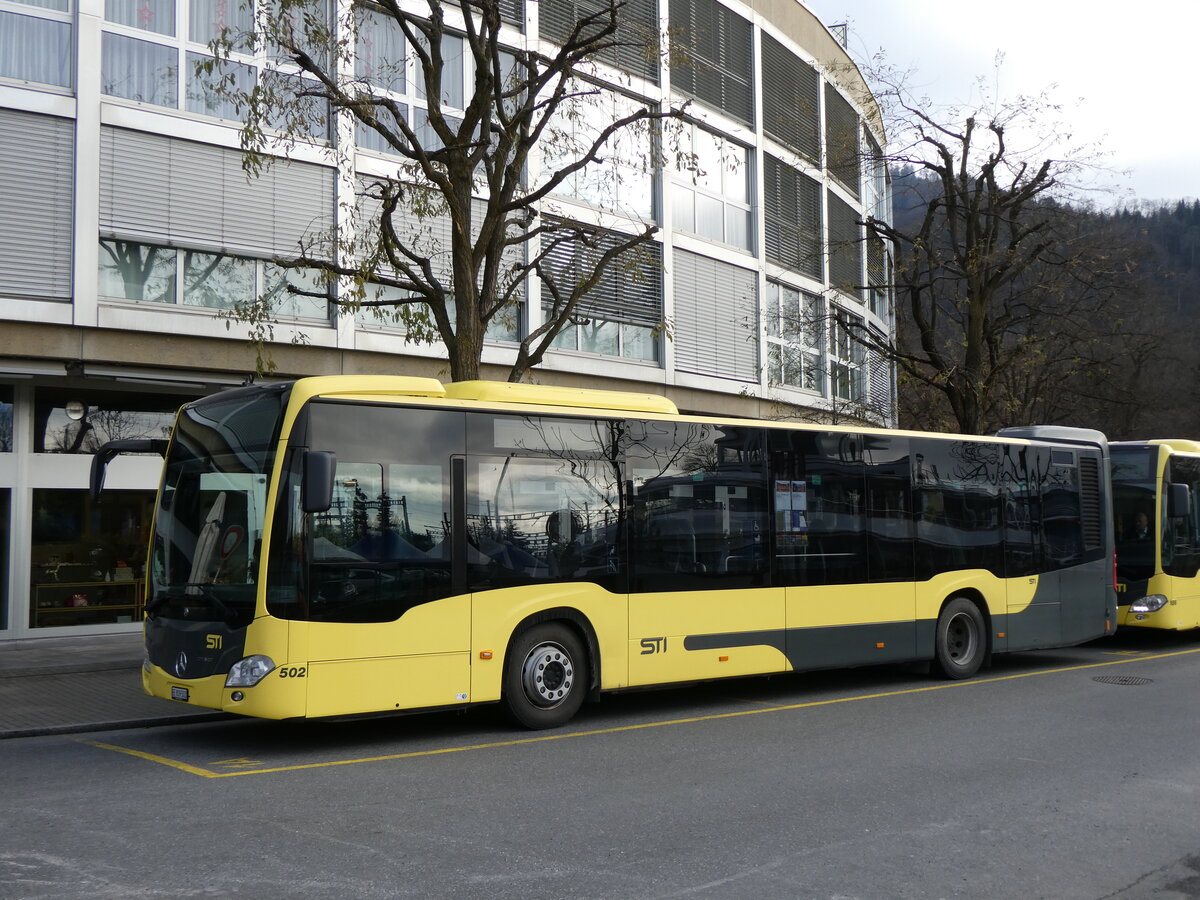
column 1134, row 510
column 209, row 522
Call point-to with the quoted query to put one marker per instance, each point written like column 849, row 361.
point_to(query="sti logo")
column 654, row 645
column 213, row 641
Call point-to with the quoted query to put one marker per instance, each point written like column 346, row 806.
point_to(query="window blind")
column 716, row 318
column 37, row 174
column 165, row 190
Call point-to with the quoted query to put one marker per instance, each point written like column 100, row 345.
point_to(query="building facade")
column 128, row 230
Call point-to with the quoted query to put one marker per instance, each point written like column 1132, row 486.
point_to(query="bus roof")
column 506, row 394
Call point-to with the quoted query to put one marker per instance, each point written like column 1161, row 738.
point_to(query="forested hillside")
column 1096, row 334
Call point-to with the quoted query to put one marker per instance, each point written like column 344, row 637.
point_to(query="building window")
column 152, row 274
column 88, row 560
column 875, row 180
column 70, row 420
column 6, row 419
column 792, row 219
column 714, row 200
column 795, row 338
column 149, row 15
column 619, row 316
column 791, row 100
column 217, row 281
column 388, row 69
column 5, row 533
column 36, row 42
column 622, row 180
column 416, row 321
column 609, row 339
column 716, row 59
column 146, row 57
column 879, row 267
column 845, row 357
column 140, row 70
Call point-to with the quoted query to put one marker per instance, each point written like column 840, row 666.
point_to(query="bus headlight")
column 249, row 671
column 1149, row 603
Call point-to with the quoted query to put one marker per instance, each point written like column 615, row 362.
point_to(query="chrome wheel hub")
column 547, row 675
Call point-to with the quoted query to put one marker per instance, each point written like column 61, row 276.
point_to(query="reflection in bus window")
column 820, row 507
column 1181, row 539
column 383, row 545
column 544, row 501
column 700, row 506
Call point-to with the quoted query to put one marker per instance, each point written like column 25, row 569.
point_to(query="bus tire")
column 545, row 676
column 960, row 640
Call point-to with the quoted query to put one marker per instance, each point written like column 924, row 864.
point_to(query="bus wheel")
column 960, row 641
column 545, row 676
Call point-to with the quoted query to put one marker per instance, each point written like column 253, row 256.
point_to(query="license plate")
column 179, row 693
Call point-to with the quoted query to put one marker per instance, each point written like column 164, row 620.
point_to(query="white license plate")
column 179, row 693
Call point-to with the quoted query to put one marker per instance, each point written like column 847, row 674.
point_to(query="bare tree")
column 1004, row 296
column 448, row 242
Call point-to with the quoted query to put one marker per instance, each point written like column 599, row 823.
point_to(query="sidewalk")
column 79, row 684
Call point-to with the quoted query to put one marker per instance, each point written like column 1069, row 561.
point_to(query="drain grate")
column 1123, row 679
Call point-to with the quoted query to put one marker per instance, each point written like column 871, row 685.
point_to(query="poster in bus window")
column 791, row 506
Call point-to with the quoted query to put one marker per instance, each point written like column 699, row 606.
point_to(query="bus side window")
column 820, row 511
column 1181, row 546
column 700, row 506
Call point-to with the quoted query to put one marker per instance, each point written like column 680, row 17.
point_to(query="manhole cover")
column 1122, row 679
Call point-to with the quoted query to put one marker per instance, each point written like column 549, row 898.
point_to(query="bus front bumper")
column 272, row 698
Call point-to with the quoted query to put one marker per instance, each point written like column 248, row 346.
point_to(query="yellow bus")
column 1156, row 523
column 349, row 545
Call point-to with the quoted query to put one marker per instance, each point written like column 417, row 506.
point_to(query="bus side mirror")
column 1179, row 501
column 316, row 490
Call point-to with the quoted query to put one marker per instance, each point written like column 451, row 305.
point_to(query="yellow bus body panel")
column 379, row 684
column 420, row 660
column 821, row 606
column 660, row 622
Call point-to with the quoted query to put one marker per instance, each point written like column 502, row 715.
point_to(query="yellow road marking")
column 494, row 745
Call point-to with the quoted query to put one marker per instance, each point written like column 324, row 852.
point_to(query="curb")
column 69, row 669
column 122, row 724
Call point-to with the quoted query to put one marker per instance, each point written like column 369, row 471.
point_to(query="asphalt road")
column 1058, row 774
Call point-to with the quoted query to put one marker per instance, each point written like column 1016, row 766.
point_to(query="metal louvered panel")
column 791, row 112
column 37, row 171
column 717, row 67
column 427, row 235
column 1091, row 509
column 877, row 271
column 636, row 51
column 716, row 318
column 845, row 247
column 512, row 12
column 881, row 379
column 166, row 190
column 793, row 218
column 842, row 155
column 630, row 290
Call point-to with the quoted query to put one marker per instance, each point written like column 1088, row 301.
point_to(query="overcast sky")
column 1124, row 72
